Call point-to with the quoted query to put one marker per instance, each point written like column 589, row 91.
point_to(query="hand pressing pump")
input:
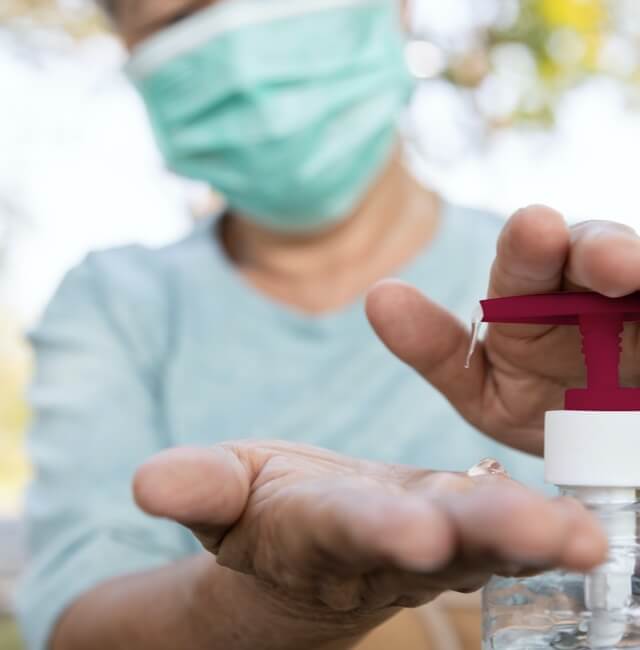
column 592, row 452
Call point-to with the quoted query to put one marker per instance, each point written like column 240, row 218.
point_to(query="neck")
column 325, row 271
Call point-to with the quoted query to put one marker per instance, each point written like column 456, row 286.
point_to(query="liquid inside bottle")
column 569, row 611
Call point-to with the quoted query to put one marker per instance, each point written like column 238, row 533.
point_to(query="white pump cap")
column 592, row 448
column 597, row 454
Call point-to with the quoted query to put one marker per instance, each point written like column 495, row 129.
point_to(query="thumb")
column 205, row 490
column 430, row 339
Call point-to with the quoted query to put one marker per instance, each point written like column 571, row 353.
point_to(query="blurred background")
column 518, row 101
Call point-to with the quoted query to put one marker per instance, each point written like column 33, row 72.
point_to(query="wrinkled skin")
column 357, row 538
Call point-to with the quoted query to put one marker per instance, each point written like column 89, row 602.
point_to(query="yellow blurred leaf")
column 78, row 21
column 582, row 15
column 15, row 363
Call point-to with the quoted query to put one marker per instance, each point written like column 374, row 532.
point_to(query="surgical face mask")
column 286, row 107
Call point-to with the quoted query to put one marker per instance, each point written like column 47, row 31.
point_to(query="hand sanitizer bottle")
column 592, row 453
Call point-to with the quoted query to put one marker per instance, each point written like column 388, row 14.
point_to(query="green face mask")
column 286, row 107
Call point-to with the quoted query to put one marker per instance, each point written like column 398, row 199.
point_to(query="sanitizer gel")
column 592, row 453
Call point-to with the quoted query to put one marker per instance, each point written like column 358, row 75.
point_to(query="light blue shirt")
column 144, row 349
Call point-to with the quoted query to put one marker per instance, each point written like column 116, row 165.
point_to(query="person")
column 295, row 483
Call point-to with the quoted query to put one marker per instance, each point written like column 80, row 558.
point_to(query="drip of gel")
column 476, row 323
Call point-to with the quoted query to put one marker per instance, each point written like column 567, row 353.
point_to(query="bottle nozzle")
column 601, row 323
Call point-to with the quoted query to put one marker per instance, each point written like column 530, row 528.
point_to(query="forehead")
column 140, row 18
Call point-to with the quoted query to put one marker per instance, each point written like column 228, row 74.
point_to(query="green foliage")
column 9, row 637
column 573, row 40
column 14, row 371
column 517, row 66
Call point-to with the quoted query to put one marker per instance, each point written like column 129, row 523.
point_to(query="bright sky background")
column 78, row 157
column 79, row 164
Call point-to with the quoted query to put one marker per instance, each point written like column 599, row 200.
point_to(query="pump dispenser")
column 592, row 452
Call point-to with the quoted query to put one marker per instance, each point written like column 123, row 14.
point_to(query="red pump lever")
column 601, row 321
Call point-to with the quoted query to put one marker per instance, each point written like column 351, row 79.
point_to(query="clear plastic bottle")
column 592, row 452
column 568, row 611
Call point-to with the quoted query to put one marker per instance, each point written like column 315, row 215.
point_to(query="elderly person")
column 283, row 462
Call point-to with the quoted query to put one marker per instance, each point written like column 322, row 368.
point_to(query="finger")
column 587, row 536
column 524, row 529
column 376, row 534
column 205, row 490
column 368, row 528
column 428, row 338
column 532, row 252
column 396, row 588
column 605, row 257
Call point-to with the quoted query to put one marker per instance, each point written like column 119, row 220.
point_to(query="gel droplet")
column 476, row 324
column 488, row 467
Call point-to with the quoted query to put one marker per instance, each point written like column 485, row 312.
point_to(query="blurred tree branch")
column 514, row 68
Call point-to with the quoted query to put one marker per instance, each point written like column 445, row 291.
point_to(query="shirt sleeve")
column 95, row 398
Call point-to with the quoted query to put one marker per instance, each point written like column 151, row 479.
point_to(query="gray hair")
column 106, row 6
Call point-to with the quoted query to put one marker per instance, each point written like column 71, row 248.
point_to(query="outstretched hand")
column 348, row 537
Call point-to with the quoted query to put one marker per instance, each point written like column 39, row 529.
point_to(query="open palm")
column 353, row 540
